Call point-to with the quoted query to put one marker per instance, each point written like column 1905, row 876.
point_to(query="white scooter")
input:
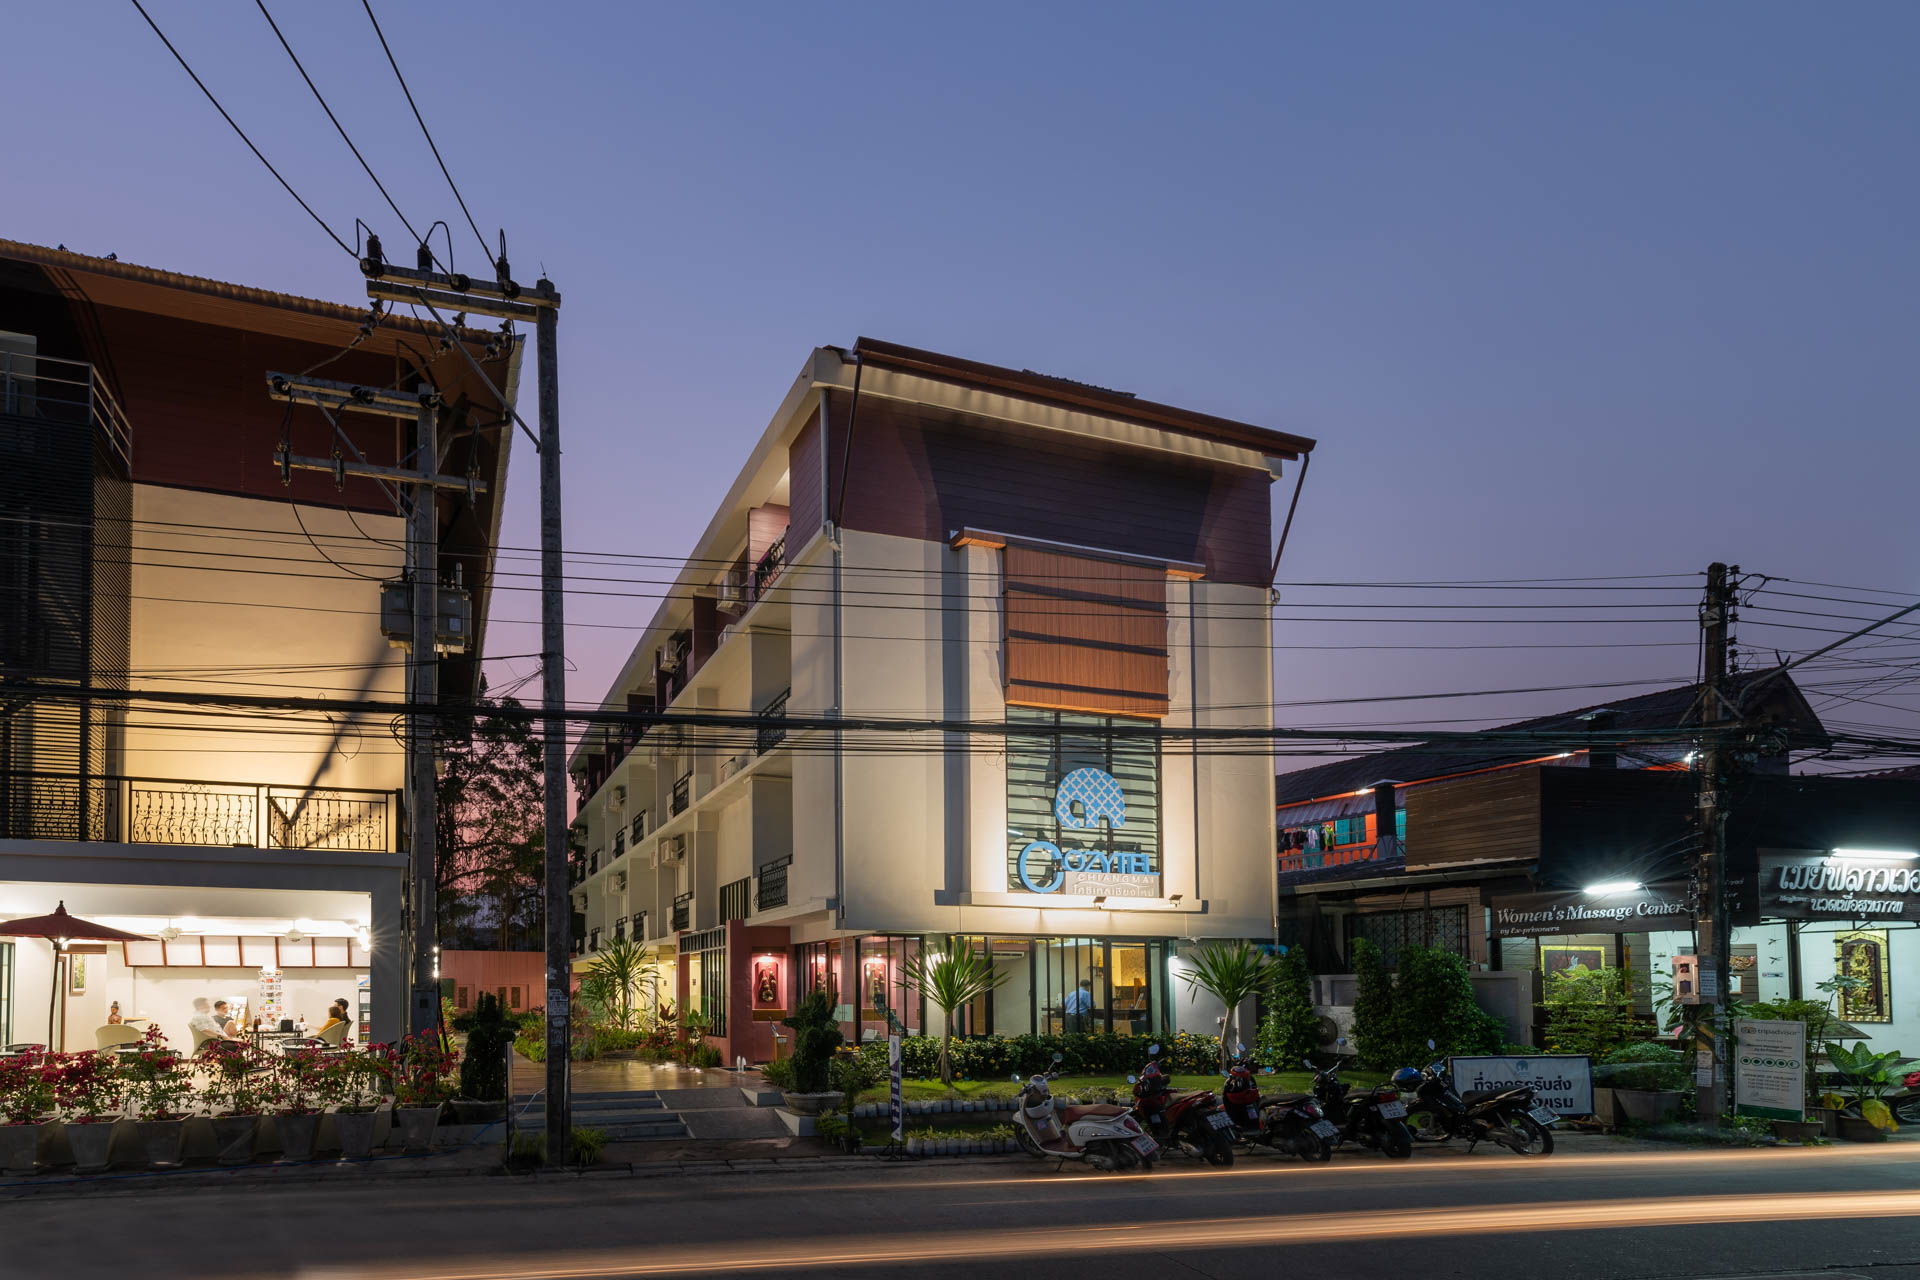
column 1104, row 1136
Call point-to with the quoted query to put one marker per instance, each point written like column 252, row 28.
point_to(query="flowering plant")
column 86, row 1088
column 424, row 1070
column 356, row 1081
column 240, row 1081
column 26, row 1089
column 300, row 1083
column 157, row 1084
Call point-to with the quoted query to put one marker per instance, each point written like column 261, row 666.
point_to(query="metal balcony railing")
column 682, row 793
column 36, row 386
column 126, row 810
column 770, row 736
column 682, row 911
column 772, row 561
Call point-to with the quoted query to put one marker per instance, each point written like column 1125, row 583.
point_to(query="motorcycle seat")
column 1283, row 1099
column 1092, row 1111
column 1483, row 1095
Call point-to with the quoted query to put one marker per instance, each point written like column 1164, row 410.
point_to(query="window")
column 1350, row 830
column 734, row 897
column 709, row 952
column 6, row 992
column 460, row 994
column 1035, row 766
column 1394, row 931
column 512, row 992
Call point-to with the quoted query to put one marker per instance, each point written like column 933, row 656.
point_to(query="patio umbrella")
column 60, row 929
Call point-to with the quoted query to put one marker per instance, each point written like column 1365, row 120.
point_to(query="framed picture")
column 766, row 983
column 1862, row 954
column 76, row 975
column 1557, row 958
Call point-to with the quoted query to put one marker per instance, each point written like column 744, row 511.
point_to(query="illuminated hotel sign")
column 1085, row 799
column 1809, row 885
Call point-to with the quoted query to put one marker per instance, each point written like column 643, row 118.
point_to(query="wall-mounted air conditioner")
column 619, row 882
column 673, row 849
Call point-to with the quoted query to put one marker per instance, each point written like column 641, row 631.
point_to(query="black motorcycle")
column 1374, row 1117
column 1287, row 1123
column 1509, row 1118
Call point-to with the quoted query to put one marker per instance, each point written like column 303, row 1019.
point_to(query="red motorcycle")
column 1191, row 1120
column 1285, row 1123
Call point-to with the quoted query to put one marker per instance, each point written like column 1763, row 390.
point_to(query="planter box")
column 1797, row 1130
column 1828, row 1120
column 161, row 1140
column 416, row 1127
column 20, row 1147
column 299, row 1135
column 234, row 1138
column 1856, row 1129
column 92, row 1145
column 812, row 1104
column 355, row 1130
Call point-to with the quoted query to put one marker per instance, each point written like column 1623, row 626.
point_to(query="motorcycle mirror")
column 1016, row 1077
column 1239, row 1047
column 1059, row 1057
column 1431, row 1045
column 1342, row 1042
column 1133, row 1079
column 1154, row 1050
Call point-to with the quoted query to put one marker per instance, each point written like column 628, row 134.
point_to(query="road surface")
column 1841, row 1213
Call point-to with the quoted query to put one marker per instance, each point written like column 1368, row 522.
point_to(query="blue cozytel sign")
column 1084, row 800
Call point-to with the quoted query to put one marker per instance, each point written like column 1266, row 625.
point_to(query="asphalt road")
column 1841, row 1213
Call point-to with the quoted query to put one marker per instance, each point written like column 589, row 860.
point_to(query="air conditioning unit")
column 618, row 800
column 667, row 659
column 619, row 882
column 733, row 589
column 673, row 849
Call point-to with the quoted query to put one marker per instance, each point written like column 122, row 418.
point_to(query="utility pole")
column 506, row 300
column 1714, row 931
column 423, row 691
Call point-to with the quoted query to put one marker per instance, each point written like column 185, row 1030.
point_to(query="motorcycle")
column 1106, row 1137
column 1190, row 1119
column 1287, row 1123
column 1373, row 1118
column 1508, row 1118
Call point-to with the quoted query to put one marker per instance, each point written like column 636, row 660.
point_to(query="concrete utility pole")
column 423, row 691
column 1710, row 1066
column 506, row 300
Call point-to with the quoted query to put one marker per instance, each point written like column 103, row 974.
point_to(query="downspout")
column 839, row 757
column 1285, row 529
column 1193, row 717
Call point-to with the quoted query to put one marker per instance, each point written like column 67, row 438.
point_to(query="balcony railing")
column 773, row 884
column 39, row 386
column 125, row 810
column 682, row 911
column 682, row 794
column 772, row 561
column 772, row 735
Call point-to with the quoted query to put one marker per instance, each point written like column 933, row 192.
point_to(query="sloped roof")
column 1672, row 708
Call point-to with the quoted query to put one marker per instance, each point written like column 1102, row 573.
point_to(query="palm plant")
column 1229, row 972
column 949, row 982
column 619, row 981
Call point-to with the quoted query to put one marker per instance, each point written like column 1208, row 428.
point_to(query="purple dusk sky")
column 1562, row 290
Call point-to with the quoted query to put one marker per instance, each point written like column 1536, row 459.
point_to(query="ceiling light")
column 1893, row 855
column 169, row 933
column 1100, row 900
column 1606, row 887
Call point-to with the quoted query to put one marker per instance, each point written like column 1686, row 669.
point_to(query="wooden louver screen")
column 1085, row 634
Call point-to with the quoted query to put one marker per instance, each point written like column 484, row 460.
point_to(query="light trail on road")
column 1270, row 1230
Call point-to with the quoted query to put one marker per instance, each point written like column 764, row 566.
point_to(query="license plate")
column 1145, row 1146
column 1393, row 1111
column 1219, row 1119
column 1543, row 1115
column 1325, row 1129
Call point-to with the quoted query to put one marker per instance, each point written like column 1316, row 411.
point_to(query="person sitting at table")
column 336, row 1012
column 223, row 1014
column 205, row 1021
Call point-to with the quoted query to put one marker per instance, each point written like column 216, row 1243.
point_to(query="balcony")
column 772, row 891
column 682, row 794
column 682, row 912
column 68, row 391
column 125, row 810
column 771, row 564
column 770, row 736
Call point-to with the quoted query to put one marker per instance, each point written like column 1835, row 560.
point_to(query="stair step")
column 626, row 1130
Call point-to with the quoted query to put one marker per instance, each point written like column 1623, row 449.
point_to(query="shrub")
column 587, row 1144
column 1647, row 1065
column 855, row 1073
column 1590, row 1011
column 1375, row 1039
column 779, row 1074
column 816, row 1035
column 705, row 1055
column 483, row 1068
column 998, row 1057
column 1290, row 1031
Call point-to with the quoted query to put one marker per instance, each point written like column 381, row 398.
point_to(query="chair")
column 113, row 1035
column 200, row 1039
column 328, row 1038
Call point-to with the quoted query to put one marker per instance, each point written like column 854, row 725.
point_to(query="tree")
column 1230, row 973
column 1291, row 1029
column 490, row 828
column 1373, row 1032
column 950, row 982
column 619, row 984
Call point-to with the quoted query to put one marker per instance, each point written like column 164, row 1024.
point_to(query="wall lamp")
column 1608, row 887
column 1898, row 855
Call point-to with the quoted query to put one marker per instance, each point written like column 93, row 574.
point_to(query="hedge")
column 999, row 1057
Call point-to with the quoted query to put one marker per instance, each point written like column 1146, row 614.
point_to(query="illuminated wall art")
column 1862, row 955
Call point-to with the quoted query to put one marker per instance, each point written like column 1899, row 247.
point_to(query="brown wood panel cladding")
column 1085, row 634
column 765, row 526
column 1494, row 816
column 806, row 509
column 921, row 472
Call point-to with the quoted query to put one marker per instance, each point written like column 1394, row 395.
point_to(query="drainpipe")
column 1193, row 715
column 839, row 690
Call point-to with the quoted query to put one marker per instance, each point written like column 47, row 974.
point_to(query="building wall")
column 484, row 972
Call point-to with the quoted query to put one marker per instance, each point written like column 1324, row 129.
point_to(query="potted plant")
column 88, row 1097
column 357, row 1087
column 816, row 1035
column 1866, row 1117
column 484, row 1082
column 240, row 1088
column 300, row 1097
column 1646, row 1082
column 158, row 1090
column 423, row 1081
column 26, row 1106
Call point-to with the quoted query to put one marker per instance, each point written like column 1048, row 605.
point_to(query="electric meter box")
column 454, row 631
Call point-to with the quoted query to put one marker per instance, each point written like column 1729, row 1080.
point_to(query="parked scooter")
column 1509, row 1118
column 1104, row 1136
column 1373, row 1118
column 1287, row 1123
column 1190, row 1120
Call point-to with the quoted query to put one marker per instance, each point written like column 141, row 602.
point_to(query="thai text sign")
column 1540, row 915
column 1813, row 886
column 1561, row 1082
column 1085, row 799
column 1770, row 1068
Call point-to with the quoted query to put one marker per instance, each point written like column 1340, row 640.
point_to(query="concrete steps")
column 624, row 1117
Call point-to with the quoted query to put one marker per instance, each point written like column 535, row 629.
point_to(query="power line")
column 344, row 248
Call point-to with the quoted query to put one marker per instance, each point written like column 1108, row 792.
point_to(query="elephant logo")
column 1085, row 796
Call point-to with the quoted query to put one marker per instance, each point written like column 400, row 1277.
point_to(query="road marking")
column 1270, row 1230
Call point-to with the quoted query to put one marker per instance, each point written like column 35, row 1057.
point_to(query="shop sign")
column 1561, row 1082
column 1084, row 800
column 1815, row 886
column 1542, row 915
column 1770, row 1069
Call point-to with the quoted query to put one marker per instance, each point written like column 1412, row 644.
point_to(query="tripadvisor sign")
column 1085, row 799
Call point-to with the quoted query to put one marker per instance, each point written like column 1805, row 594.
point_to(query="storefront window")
column 707, row 977
column 6, row 992
column 887, row 1002
column 1036, row 767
